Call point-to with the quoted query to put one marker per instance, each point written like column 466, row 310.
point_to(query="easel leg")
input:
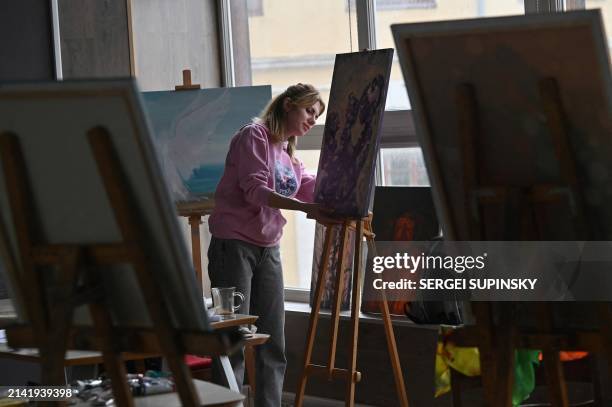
column 314, row 318
column 60, row 317
column 400, row 386
column 456, row 387
column 338, row 294
column 488, row 373
column 605, row 321
column 505, row 367
column 119, row 194
column 488, row 365
column 398, row 376
column 229, row 373
column 354, row 376
column 196, row 253
column 552, row 364
column 115, row 367
column 554, row 377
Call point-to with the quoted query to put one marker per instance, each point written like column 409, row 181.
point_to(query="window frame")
column 398, row 128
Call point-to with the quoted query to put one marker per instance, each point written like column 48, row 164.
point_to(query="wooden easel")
column 187, row 85
column 496, row 341
column 194, row 211
column 351, row 375
column 50, row 313
column 194, row 217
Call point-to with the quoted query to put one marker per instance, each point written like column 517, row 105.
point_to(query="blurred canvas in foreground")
column 345, row 176
column 68, row 202
column 505, row 63
column 514, row 116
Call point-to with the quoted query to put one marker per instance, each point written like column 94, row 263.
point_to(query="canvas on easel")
column 69, row 195
column 503, row 59
column 8, row 273
column 345, row 175
column 536, row 141
column 332, row 264
column 192, row 131
column 345, row 180
column 515, row 133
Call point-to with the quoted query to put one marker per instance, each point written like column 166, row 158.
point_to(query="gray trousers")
column 257, row 273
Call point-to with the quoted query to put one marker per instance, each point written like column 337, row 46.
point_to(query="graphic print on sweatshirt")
column 285, row 182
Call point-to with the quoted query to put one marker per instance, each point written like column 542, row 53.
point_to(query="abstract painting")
column 192, row 131
column 345, row 176
column 400, row 214
column 332, row 263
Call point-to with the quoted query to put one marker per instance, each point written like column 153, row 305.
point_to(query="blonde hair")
column 274, row 115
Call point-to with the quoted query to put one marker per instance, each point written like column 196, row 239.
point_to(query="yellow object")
column 463, row 360
column 467, row 362
column 7, row 402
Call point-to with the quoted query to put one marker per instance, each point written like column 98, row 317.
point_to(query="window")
column 403, row 4
column 297, row 243
column 255, row 8
column 297, row 41
column 399, row 4
column 403, row 167
column 397, row 97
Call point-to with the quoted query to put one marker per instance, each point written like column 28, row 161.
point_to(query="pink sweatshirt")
column 254, row 167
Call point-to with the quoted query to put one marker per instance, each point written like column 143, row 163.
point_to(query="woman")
column 262, row 176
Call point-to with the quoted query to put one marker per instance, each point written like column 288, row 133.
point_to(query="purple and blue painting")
column 192, row 131
column 345, row 176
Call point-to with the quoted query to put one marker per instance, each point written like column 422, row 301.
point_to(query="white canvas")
column 51, row 121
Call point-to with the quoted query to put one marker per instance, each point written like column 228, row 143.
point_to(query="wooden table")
column 211, row 395
column 74, row 358
column 235, row 320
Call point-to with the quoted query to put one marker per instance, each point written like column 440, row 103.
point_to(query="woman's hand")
column 313, row 210
column 318, row 212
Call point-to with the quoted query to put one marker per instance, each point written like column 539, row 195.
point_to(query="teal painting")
column 192, row 131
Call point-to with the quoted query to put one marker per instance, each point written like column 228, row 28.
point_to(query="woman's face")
column 300, row 119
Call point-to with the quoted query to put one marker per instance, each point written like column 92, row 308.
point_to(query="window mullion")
column 366, row 23
column 543, row 6
column 575, row 4
column 57, row 49
column 225, row 31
